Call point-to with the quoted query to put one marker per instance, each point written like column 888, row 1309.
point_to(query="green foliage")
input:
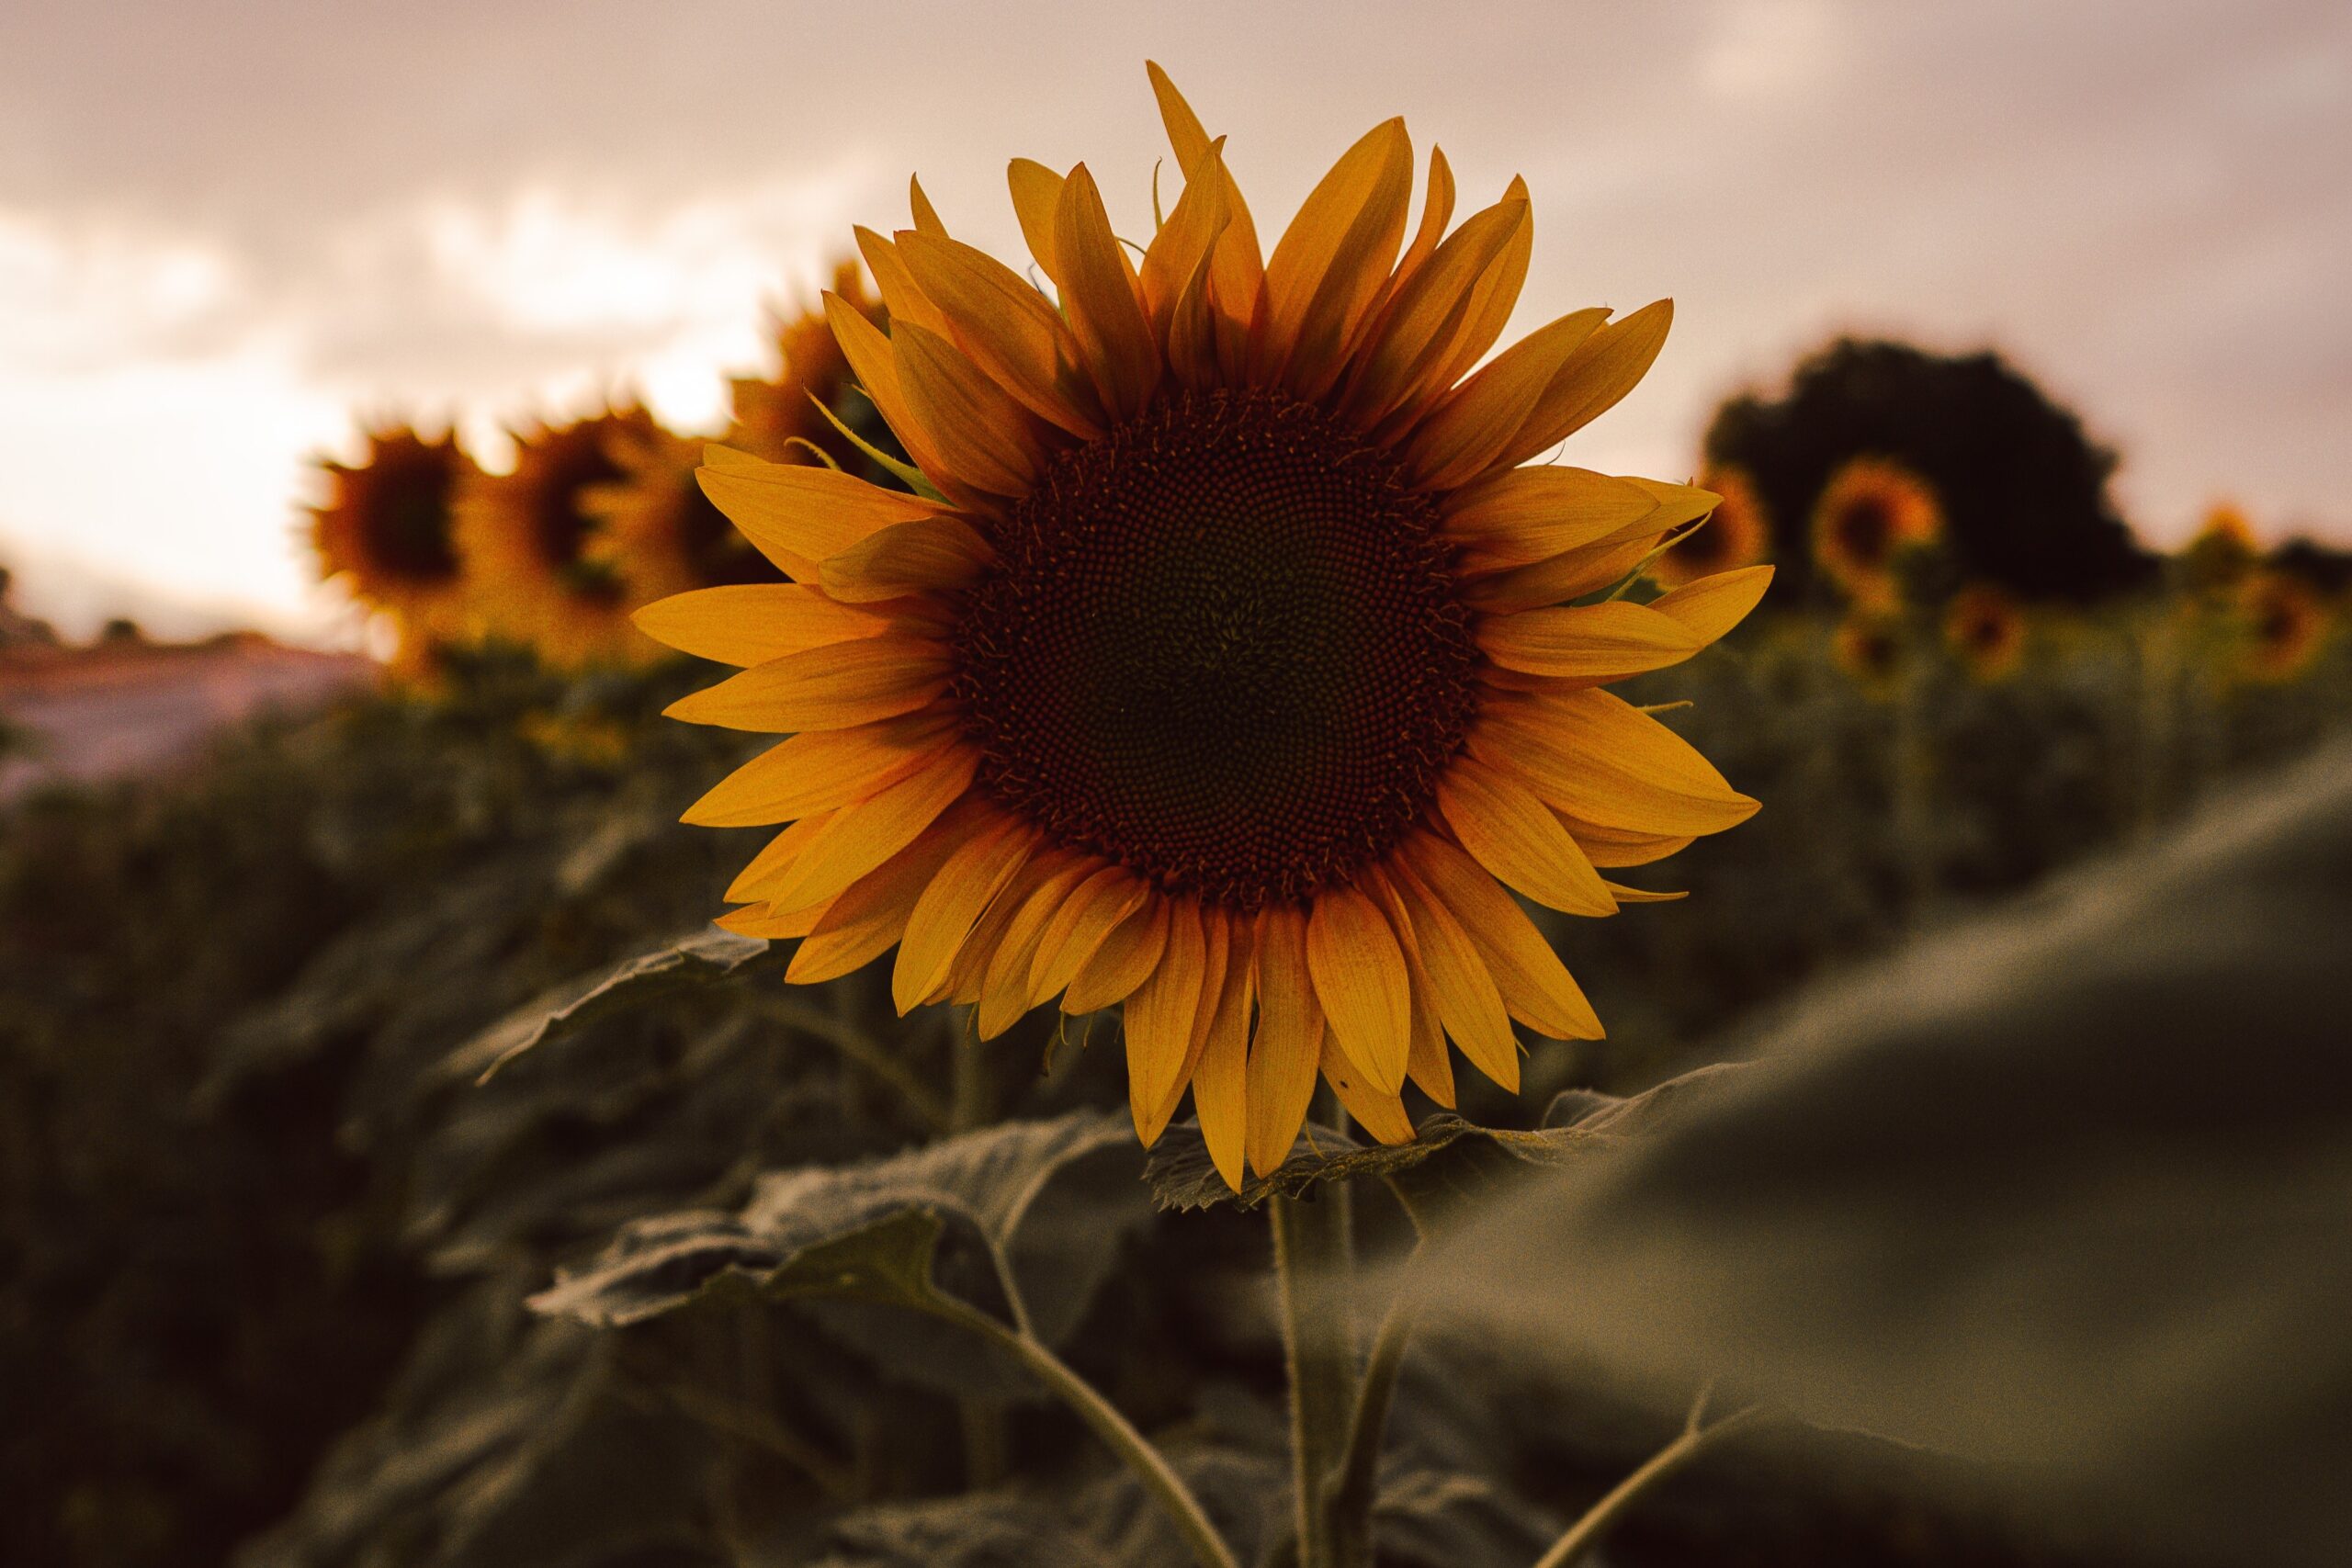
column 2024, row 492
column 272, row 1234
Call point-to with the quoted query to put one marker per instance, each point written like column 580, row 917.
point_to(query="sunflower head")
column 653, row 529
column 533, row 564
column 1868, row 646
column 2285, row 624
column 1737, row 532
column 1985, row 629
column 386, row 530
column 1219, row 664
column 776, row 418
column 1872, row 514
column 2222, row 554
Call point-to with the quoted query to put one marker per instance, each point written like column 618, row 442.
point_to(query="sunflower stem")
column 1312, row 1266
column 1134, row 1451
column 1355, row 1488
column 1695, row 1437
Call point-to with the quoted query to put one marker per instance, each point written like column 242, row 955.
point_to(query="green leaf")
column 942, row 1230
column 1450, row 1160
column 710, row 956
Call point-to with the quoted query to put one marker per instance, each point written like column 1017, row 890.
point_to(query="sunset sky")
column 227, row 230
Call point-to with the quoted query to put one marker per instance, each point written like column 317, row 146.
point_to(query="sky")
column 229, row 232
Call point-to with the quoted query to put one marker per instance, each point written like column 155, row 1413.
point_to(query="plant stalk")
column 1356, row 1487
column 1312, row 1266
column 1694, row 1439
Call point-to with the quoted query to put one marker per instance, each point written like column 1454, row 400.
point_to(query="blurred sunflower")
column 1215, row 668
column 1869, row 514
column 2222, row 554
column 2285, row 624
column 387, row 531
column 1868, row 646
column 1985, row 629
column 528, row 541
column 653, row 529
column 775, row 418
column 1736, row 534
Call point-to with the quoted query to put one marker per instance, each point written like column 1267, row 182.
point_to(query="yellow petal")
column 1586, row 642
column 857, row 839
column 1530, row 515
column 751, row 623
column 1602, row 370
column 923, row 555
column 869, row 918
column 1004, row 990
column 1096, row 908
column 983, row 438
column 1379, row 1112
column 1437, row 211
column 1430, row 310
column 1504, row 825
column 1099, row 294
column 1467, row 1001
column 1568, row 575
column 1537, row 988
column 1159, row 1017
column 903, row 294
column 1121, row 961
column 1236, row 268
column 1713, row 605
column 1596, row 758
column 1287, row 1049
column 759, row 920
column 1491, row 302
column 1616, row 847
column 874, row 363
column 1008, row 329
column 949, row 907
column 1331, row 261
column 820, row 771
column 1463, row 436
column 1361, row 982
column 774, row 861
column 926, row 216
column 1220, row 1079
column 967, row 976
column 1036, row 194
column 1644, row 896
column 798, row 514
column 1180, row 251
column 833, row 687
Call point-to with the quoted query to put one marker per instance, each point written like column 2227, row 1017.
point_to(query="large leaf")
column 709, row 956
column 1040, row 1205
column 2069, row 1191
column 1451, row 1161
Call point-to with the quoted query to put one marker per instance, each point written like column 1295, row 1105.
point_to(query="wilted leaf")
column 710, row 956
column 1429, row 1520
column 1450, row 1159
column 960, row 1532
column 2069, row 1191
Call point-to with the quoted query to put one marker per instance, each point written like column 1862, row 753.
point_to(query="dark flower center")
column 1865, row 529
column 404, row 509
column 1223, row 649
column 565, row 463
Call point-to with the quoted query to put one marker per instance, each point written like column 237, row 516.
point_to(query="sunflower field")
column 1197, row 866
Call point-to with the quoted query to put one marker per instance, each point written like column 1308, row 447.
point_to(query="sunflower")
column 2223, row 553
column 526, row 539
column 386, row 531
column 1736, row 534
column 1872, row 514
column 1215, row 667
column 2285, row 627
column 653, row 529
column 1985, row 629
column 775, row 418
column 1868, row 646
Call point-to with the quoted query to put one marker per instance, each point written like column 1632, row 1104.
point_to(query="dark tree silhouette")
column 2024, row 490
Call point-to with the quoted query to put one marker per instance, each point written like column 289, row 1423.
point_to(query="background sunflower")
column 387, row 532
column 1872, row 515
